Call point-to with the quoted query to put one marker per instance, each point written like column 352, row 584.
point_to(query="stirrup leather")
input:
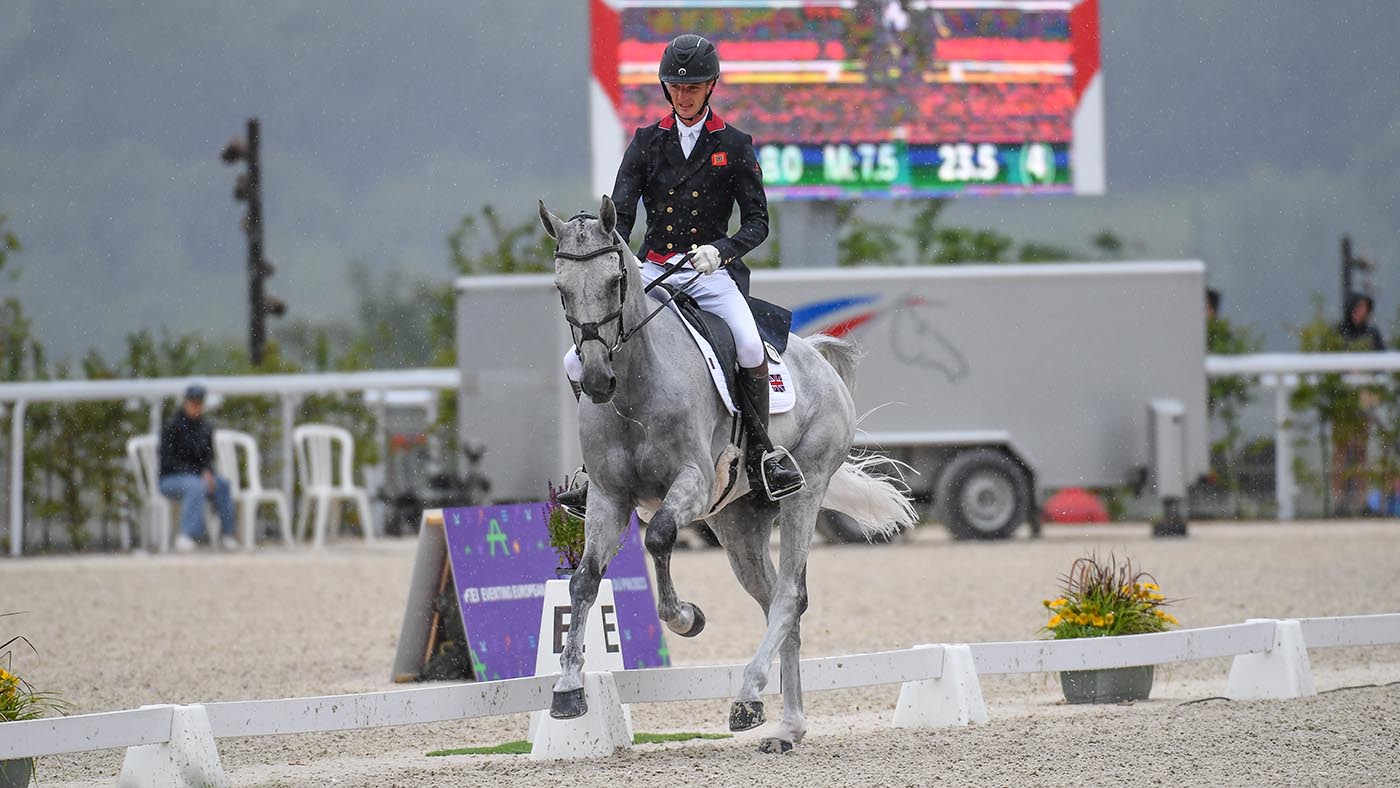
column 778, row 452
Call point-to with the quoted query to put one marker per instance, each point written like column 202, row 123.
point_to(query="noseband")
column 589, row 331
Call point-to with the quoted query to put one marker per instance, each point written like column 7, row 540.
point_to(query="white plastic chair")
column 247, row 490
column 157, row 511
column 324, row 456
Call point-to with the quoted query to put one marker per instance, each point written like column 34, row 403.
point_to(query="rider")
column 689, row 169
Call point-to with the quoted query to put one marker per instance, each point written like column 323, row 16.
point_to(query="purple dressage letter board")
column 501, row 558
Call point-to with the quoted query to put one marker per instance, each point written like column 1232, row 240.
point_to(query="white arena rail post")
column 607, row 725
column 603, row 730
column 953, row 698
column 190, row 759
column 1281, row 672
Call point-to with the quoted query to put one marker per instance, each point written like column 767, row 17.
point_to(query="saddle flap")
column 716, row 343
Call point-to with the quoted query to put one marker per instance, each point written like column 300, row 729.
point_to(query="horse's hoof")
column 697, row 622
column 745, row 715
column 774, row 746
column 568, row 704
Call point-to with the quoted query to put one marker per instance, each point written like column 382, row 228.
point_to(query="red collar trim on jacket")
column 712, row 123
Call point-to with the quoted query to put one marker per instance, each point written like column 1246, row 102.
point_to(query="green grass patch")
column 522, row 747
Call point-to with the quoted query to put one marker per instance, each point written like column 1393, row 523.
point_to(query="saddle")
column 716, row 343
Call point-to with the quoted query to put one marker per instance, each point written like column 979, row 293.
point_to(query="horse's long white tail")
column 876, row 501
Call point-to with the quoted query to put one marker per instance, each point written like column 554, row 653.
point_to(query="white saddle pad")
column 782, row 393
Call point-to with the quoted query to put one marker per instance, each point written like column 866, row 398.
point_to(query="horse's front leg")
column 604, row 526
column 685, row 502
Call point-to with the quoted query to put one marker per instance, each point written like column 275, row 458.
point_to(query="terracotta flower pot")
column 1110, row 685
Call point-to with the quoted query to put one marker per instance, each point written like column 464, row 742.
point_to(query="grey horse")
column 656, row 435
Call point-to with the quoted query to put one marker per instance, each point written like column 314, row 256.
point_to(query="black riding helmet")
column 688, row 60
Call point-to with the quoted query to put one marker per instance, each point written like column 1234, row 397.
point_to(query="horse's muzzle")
column 600, row 394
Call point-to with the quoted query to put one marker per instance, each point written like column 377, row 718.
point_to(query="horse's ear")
column 607, row 212
column 552, row 224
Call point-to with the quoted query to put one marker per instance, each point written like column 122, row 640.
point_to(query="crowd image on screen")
column 983, row 112
column 903, row 70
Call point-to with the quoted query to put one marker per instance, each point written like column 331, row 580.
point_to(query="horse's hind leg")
column 789, row 600
column 685, row 502
column 603, row 528
column 744, row 530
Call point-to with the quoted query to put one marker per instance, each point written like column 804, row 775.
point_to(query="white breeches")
column 715, row 293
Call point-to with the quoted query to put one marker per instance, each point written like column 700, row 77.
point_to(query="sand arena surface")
column 116, row 632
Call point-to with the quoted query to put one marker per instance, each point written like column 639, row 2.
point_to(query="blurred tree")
column 490, row 246
column 1334, row 405
column 915, row 236
column 1108, row 245
column 1226, row 398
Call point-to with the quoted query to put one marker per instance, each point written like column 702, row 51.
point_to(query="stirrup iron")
column 780, row 453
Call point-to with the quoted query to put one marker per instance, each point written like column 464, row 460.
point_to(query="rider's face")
column 689, row 98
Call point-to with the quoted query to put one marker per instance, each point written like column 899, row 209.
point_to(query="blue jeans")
column 189, row 489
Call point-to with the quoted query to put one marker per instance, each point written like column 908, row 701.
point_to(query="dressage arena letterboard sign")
column 500, row 559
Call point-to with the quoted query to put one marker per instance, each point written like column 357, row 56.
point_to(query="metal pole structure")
column 288, row 402
column 1285, row 488
column 1346, row 274
column 257, row 327
column 17, row 479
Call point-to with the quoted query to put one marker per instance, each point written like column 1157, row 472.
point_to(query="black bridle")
column 589, row 331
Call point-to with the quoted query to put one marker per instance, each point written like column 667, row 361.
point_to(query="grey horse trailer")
column 994, row 384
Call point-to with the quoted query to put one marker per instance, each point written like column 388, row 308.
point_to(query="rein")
column 589, row 331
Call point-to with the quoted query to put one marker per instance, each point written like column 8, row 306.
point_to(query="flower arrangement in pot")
column 565, row 531
column 1100, row 599
column 20, row 701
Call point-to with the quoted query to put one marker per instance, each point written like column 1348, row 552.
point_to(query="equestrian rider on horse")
column 689, row 169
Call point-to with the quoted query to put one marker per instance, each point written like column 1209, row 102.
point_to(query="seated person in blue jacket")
column 187, row 471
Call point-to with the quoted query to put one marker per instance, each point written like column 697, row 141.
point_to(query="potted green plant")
column 565, row 531
column 20, row 701
column 1101, row 599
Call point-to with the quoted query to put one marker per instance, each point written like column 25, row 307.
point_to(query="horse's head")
column 590, row 270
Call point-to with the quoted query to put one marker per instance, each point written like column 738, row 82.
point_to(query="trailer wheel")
column 984, row 494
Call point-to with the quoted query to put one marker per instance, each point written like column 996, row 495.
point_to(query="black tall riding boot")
column 575, row 500
column 775, row 470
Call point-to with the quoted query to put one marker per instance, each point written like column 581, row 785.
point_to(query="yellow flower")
column 1045, row 602
column 1152, row 586
column 1084, row 619
column 1054, row 622
column 1111, row 615
column 1097, row 620
column 1171, row 619
column 1060, row 602
column 1156, row 597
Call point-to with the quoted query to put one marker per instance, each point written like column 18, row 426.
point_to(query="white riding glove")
column 705, row 259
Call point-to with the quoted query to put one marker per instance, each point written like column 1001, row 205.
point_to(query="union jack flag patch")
column 775, row 382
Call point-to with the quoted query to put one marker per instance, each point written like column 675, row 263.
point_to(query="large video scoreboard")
column 873, row 98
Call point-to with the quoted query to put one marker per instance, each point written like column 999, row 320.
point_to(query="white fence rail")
column 152, row 725
column 1183, row 645
column 379, row 709
column 1281, row 372
column 154, row 391
column 84, row 732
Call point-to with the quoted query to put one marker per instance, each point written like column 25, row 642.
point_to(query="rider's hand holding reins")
column 705, row 259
